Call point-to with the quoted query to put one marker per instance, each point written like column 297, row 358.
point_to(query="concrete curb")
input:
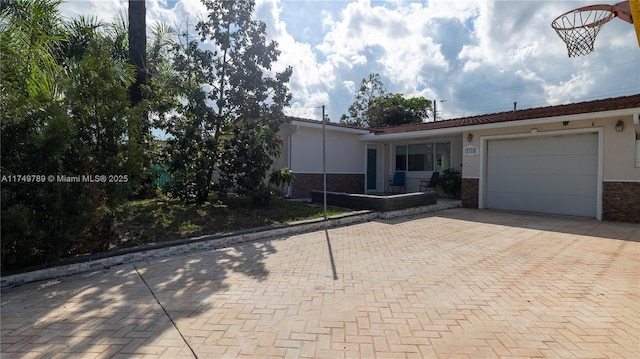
column 109, row 259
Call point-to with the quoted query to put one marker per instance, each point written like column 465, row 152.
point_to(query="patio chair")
column 397, row 181
column 430, row 183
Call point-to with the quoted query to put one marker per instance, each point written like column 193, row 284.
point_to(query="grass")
column 157, row 220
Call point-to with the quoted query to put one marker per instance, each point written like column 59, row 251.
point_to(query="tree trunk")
column 137, row 48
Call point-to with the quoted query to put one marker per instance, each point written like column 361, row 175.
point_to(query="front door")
column 372, row 169
column 374, row 182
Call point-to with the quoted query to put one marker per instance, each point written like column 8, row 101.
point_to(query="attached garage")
column 549, row 174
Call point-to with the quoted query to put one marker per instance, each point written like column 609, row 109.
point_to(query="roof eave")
column 329, row 126
column 371, row 137
column 487, row 126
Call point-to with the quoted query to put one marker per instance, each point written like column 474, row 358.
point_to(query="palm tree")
column 30, row 34
column 137, row 47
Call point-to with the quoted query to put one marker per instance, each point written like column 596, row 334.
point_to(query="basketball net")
column 578, row 28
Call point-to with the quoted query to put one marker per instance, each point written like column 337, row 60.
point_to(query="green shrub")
column 282, row 178
column 451, row 182
column 262, row 195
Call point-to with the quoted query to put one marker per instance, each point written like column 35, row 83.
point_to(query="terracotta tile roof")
column 617, row 103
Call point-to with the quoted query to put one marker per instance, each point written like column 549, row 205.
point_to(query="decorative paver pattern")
column 457, row 283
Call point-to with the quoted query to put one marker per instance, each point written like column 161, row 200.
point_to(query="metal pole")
column 435, row 111
column 324, row 164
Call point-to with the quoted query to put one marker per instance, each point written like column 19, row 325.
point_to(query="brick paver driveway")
column 455, row 283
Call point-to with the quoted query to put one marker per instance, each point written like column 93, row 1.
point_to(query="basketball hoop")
column 578, row 28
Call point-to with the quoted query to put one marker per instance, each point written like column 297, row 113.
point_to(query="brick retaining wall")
column 307, row 182
column 621, row 201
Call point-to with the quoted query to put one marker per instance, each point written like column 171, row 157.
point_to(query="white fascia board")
column 536, row 121
column 329, row 127
column 546, row 120
column 370, row 137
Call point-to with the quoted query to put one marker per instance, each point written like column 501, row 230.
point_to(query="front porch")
column 418, row 157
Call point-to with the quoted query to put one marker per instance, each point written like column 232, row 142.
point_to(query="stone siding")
column 470, row 188
column 307, row 182
column 621, row 201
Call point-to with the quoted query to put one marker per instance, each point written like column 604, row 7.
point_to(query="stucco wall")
column 344, row 152
column 620, row 176
column 618, row 147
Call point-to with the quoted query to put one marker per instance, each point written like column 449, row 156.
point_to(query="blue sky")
column 474, row 57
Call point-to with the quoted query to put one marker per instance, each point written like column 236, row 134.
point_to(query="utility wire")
column 546, row 80
column 506, row 106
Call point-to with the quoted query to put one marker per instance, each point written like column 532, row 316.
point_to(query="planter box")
column 378, row 203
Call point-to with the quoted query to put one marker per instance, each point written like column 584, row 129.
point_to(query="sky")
column 472, row 57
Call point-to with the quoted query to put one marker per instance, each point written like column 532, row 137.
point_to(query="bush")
column 261, row 196
column 451, row 182
column 282, row 178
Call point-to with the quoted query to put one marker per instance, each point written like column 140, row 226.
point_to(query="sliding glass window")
column 423, row 157
column 401, row 158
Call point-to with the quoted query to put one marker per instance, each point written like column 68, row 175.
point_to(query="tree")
column 30, row 32
column 88, row 37
column 65, row 113
column 95, row 88
column 137, row 34
column 394, row 110
column 188, row 118
column 139, row 129
column 34, row 131
column 374, row 107
column 370, row 90
column 221, row 95
column 246, row 157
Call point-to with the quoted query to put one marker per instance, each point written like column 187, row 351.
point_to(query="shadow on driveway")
column 112, row 311
column 535, row 221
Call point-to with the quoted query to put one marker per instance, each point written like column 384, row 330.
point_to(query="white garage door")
column 544, row 174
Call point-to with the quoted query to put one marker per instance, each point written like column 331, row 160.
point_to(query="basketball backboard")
column 634, row 8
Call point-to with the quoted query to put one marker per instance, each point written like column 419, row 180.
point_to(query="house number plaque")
column 470, row 150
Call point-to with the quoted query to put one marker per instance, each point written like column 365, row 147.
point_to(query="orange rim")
column 601, row 7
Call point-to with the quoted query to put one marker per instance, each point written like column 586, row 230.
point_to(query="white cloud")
column 350, row 86
column 388, row 40
column 105, row 10
column 311, row 79
column 480, row 56
column 568, row 91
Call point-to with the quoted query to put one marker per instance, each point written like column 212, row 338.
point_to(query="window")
column 422, row 157
column 443, row 156
column 401, row 158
